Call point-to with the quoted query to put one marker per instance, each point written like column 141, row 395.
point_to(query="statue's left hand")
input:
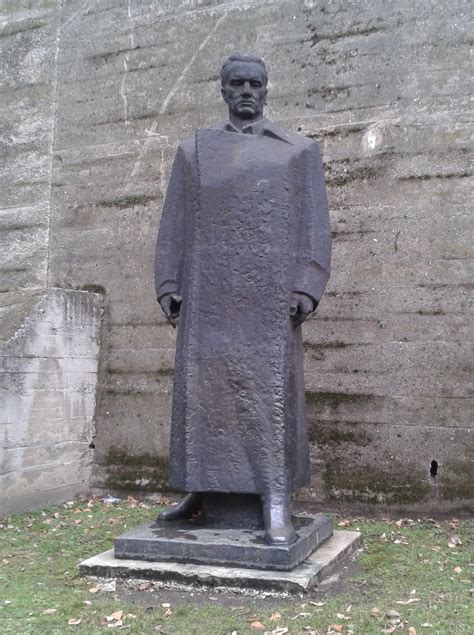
column 301, row 306
column 171, row 306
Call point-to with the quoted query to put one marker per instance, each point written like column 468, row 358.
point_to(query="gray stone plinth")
column 185, row 541
column 319, row 565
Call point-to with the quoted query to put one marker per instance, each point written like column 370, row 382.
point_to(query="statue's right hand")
column 171, row 306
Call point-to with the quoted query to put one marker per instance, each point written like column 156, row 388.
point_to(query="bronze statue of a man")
column 242, row 259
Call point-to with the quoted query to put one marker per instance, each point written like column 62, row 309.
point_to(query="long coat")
column 244, row 226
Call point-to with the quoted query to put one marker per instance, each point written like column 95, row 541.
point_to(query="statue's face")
column 244, row 90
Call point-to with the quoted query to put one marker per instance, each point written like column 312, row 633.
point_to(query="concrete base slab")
column 319, row 565
column 190, row 542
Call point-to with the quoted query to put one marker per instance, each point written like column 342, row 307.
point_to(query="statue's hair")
column 240, row 57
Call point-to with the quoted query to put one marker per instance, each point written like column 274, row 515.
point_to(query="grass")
column 405, row 566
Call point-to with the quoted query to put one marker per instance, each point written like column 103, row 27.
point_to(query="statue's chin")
column 246, row 114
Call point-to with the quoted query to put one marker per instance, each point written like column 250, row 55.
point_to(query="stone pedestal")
column 322, row 563
column 191, row 542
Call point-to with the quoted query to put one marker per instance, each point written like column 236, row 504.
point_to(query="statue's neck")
column 239, row 123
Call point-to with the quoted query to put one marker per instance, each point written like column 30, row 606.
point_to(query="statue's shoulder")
column 299, row 141
column 187, row 148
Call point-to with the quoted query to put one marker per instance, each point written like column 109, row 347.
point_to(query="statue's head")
column 244, row 86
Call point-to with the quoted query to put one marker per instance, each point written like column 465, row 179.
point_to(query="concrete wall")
column 28, row 48
column 48, row 382
column 383, row 87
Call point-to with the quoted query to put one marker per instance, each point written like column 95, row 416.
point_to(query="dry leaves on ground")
column 114, row 620
column 256, row 625
column 454, row 541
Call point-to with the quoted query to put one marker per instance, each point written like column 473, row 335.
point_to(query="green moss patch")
column 329, row 433
column 335, row 399
column 136, row 472
column 457, row 480
column 372, row 485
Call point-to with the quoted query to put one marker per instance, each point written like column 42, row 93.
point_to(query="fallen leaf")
column 298, row 615
column 168, row 612
column 457, row 570
column 166, row 605
column 454, row 541
column 74, row 621
column 117, row 615
column 318, row 603
column 94, row 589
column 427, row 625
column 279, row 631
column 144, row 586
column 116, row 624
column 87, row 602
column 410, row 601
column 392, row 614
column 335, row 627
column 275, row 617
column 256, row 625
column 344, row 523
column 411, row 631
column 49, row 611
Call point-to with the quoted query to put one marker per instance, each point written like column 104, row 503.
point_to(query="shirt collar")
column 263, row 127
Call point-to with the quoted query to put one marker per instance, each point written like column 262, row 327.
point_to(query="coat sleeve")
column 313, row 240
column 171, row 235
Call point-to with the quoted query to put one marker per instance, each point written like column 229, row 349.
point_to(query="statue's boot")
column 279, row 529
column 187, row 507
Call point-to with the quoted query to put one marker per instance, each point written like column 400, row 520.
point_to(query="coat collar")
column 263, row 128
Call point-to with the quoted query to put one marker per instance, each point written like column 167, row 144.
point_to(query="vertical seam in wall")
column 53, row 140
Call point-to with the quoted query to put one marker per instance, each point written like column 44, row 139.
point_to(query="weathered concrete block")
column 47, row 401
